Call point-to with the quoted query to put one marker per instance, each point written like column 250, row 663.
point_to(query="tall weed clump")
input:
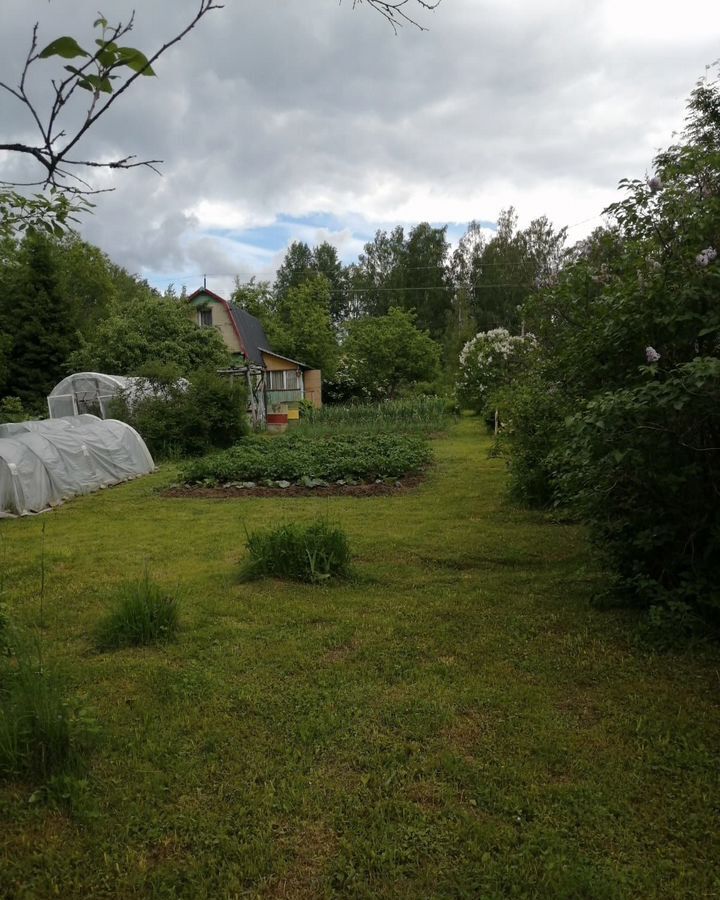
column 143, row 613
column 35, row 728
column 311, row 553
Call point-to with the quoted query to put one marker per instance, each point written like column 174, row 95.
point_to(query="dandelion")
column 651, row 355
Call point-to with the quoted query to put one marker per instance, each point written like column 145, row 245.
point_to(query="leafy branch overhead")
column 105, row 72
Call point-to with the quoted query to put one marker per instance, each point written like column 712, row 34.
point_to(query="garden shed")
column 45, row 462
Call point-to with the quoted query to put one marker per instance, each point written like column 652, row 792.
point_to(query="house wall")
column 220, row 318
column 273, row 364
column 313, row 387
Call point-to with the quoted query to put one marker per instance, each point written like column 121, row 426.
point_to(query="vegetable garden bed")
column 311, row 462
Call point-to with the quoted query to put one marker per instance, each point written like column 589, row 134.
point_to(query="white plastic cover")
column 43, row 463
column 86, row 392
column 92, row 392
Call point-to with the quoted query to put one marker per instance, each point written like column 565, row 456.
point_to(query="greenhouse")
column 43, row 463
column 92, row 392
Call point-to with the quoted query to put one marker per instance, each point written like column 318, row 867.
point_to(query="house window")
column 205, row 317
column 285, row 380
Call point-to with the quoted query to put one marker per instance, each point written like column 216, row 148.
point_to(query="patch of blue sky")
column 348, row 233
column 257, row 251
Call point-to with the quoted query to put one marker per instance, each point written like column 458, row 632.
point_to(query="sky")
column 282, row 120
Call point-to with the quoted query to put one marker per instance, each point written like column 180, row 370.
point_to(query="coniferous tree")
column 40, row 320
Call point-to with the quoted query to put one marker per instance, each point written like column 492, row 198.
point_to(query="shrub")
column 178, row 418
column 533, row 413
column 12, row 410
column 487, row 362
column 629, row 345
column 143, row 613
column 312, row 553
column 35, row 732
column 641, row 467
column 298, row 457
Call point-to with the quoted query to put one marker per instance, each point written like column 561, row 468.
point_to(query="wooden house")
column 273, row 379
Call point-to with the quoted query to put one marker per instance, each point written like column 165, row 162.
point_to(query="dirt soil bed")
column 295, row 490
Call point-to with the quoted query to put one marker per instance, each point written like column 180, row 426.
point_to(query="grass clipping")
column 313, row 553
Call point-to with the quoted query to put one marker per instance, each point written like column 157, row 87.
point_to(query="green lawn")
column 459, row 722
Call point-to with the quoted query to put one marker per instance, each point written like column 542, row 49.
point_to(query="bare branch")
column 395, row 11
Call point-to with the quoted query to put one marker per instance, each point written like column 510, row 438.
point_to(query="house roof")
column 249, row 329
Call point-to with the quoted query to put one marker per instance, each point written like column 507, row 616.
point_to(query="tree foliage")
column 629, row 355
column 384, row 354
column 146, row 330
column 405, row 271
column 38, row 322
column 302, row 327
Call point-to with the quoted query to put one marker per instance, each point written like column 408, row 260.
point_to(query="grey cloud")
column 306, row 106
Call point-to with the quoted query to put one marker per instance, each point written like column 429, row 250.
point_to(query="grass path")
column 458, row 723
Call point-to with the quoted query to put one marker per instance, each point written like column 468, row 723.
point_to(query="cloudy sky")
column 280, row 120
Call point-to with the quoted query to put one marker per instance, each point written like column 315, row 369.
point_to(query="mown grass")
column 457, row 722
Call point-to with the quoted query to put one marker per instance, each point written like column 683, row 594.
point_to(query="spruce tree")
column 41, row 322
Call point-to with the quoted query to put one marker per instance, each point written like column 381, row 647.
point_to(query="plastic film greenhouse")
column 90, row 392
column 43, row 463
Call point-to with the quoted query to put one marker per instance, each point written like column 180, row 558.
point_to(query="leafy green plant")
column 298, row 457
column 311, row 553
column 143, row 613
column 12, row 410
column 410, row 414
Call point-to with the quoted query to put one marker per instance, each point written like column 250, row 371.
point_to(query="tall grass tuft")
column 143, row 613
column 311, row 553
column 35, row 731
column 411, row 414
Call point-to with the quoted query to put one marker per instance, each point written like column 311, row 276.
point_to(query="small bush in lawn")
column 312, row 553
column 35, row 732
column 144, row 613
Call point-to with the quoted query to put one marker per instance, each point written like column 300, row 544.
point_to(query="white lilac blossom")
column 484, row 359
column 651, row 355
column 655, row 184
column 706, row 256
